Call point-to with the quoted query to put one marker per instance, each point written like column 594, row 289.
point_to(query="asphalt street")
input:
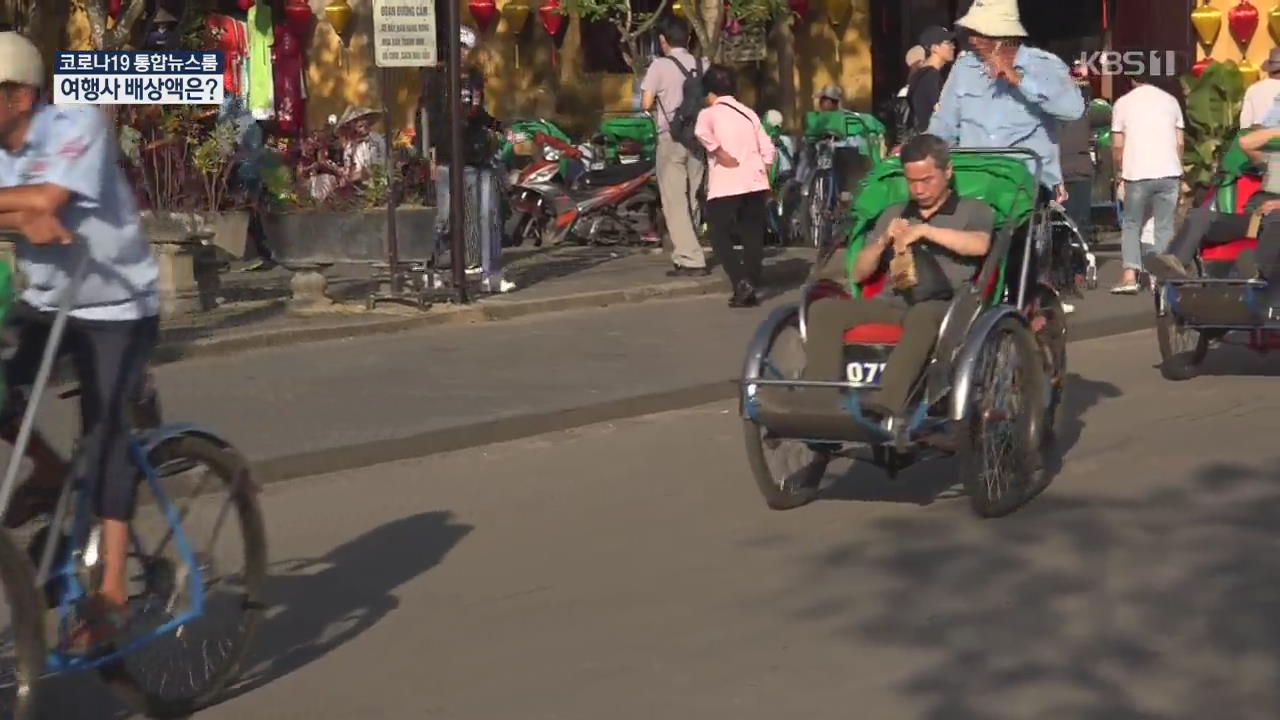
column 628, row 570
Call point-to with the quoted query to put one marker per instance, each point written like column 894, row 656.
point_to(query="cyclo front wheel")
column 1001, row 459
column 22, row 646
column 208, row 487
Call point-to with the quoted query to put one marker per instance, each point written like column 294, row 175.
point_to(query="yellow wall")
column 524, row 82
column 1226, row 48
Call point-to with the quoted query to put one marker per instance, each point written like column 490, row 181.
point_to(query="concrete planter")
column 182, row 244
column 307, row 242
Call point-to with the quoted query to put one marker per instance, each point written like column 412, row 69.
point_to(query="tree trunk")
column 784, row 45
column 114, row 38
column 707, row 19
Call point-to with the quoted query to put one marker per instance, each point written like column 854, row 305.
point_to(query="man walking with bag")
column 680, row 165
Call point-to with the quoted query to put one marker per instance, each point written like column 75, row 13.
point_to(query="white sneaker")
column 1068, row 308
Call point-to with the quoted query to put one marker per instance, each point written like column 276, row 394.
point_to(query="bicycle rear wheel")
column 22, row 650
column 186, row 668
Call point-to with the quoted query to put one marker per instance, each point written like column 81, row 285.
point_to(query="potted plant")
column 1213, row 103
column 347, row 222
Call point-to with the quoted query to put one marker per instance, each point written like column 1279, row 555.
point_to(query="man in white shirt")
column 1147, row 136
column 1261, row 96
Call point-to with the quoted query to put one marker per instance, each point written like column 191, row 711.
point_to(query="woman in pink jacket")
column 739, row 154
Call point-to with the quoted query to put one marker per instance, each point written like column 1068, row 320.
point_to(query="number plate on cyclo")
column 865, row 373
column 864, row 364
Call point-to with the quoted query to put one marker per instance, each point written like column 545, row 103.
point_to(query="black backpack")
column 684, row 121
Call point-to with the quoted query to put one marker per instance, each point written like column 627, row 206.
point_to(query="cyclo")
column 194, row 602
column 1217, row 303
column 827, row 169
column 991, row 392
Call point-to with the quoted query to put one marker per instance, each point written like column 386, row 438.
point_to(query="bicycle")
column 175, row 589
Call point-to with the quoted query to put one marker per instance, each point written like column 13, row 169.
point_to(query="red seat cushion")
column 873, row 334
column 1228, row 251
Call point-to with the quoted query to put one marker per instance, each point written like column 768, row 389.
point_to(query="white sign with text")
column 404, row 33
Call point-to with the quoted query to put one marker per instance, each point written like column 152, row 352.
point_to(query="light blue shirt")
column 976, row 111
column 71, row 147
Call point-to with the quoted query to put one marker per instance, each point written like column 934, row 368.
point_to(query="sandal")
column 100, row 623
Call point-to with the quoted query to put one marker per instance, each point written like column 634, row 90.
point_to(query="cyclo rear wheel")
column 187, row 669
column 1181, row 348
column 1001, row 461
column 22, row 644
column 787, row 472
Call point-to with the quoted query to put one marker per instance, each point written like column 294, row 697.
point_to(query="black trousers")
column 739, row 219
column 1205, row 227
column 110, row 359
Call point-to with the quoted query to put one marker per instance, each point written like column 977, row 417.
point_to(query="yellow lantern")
column 838, row 10
column 1273, row 20
column 338, row 13
column 1248, row 71
column 677, row 9
column 516, row 13
column 1207, row 21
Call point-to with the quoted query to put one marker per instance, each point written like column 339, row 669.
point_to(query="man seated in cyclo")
column 1205, row 226
column 62, row 188
column 948, row 236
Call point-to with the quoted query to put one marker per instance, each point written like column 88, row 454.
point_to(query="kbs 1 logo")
column 1134, row 63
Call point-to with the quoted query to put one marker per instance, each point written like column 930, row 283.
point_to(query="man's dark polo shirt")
column 956, row 213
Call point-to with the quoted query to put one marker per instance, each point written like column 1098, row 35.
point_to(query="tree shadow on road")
column 934, row 480
column 315, row 605
column 1120, row 605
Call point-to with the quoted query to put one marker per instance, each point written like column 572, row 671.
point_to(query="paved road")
column 629, row 571
column 317, row 407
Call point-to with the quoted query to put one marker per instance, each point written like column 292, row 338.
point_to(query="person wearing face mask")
column 1007, row 94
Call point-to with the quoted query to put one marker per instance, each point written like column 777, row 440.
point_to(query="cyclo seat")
column 613, row 175
column 1002, row 182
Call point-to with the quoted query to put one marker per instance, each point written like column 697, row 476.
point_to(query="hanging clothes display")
column 290, row 90
column 261, row 77
column 231, row 36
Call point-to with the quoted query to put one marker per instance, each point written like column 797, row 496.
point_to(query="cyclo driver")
column 62, row 188
column 948, row 236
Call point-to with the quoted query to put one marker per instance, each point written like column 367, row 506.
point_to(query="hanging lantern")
column 551, row 15
column 338, row 12
column 1198, row 69
column 484, row 12
column 1248, row 71
column 677, row 9
column 1273, row 21
column 838, row 11
column 298, row 16
column 245, row 5
column 1207, row 21
column 516, row 13
column 799, row 7
column 114, row 7
column 1242, row 21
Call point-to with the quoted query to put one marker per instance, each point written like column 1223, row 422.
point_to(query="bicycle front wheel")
column 192, row 653
column 22, row 647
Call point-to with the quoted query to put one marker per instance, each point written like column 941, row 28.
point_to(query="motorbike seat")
column 613, row 175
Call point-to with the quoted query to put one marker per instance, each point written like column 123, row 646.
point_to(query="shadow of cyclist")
column 315, row 605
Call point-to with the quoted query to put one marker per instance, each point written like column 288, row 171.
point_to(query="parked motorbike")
column 603, row 205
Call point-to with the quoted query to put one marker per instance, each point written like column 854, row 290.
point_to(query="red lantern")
column 298, row 16
column 1198, row 69
column 552, row 17
column 799, row 7
column 114, row 7
column 1242, row 21
column 484, row 12
column 245, row 5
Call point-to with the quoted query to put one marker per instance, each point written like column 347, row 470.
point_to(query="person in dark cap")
column 939, row 45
